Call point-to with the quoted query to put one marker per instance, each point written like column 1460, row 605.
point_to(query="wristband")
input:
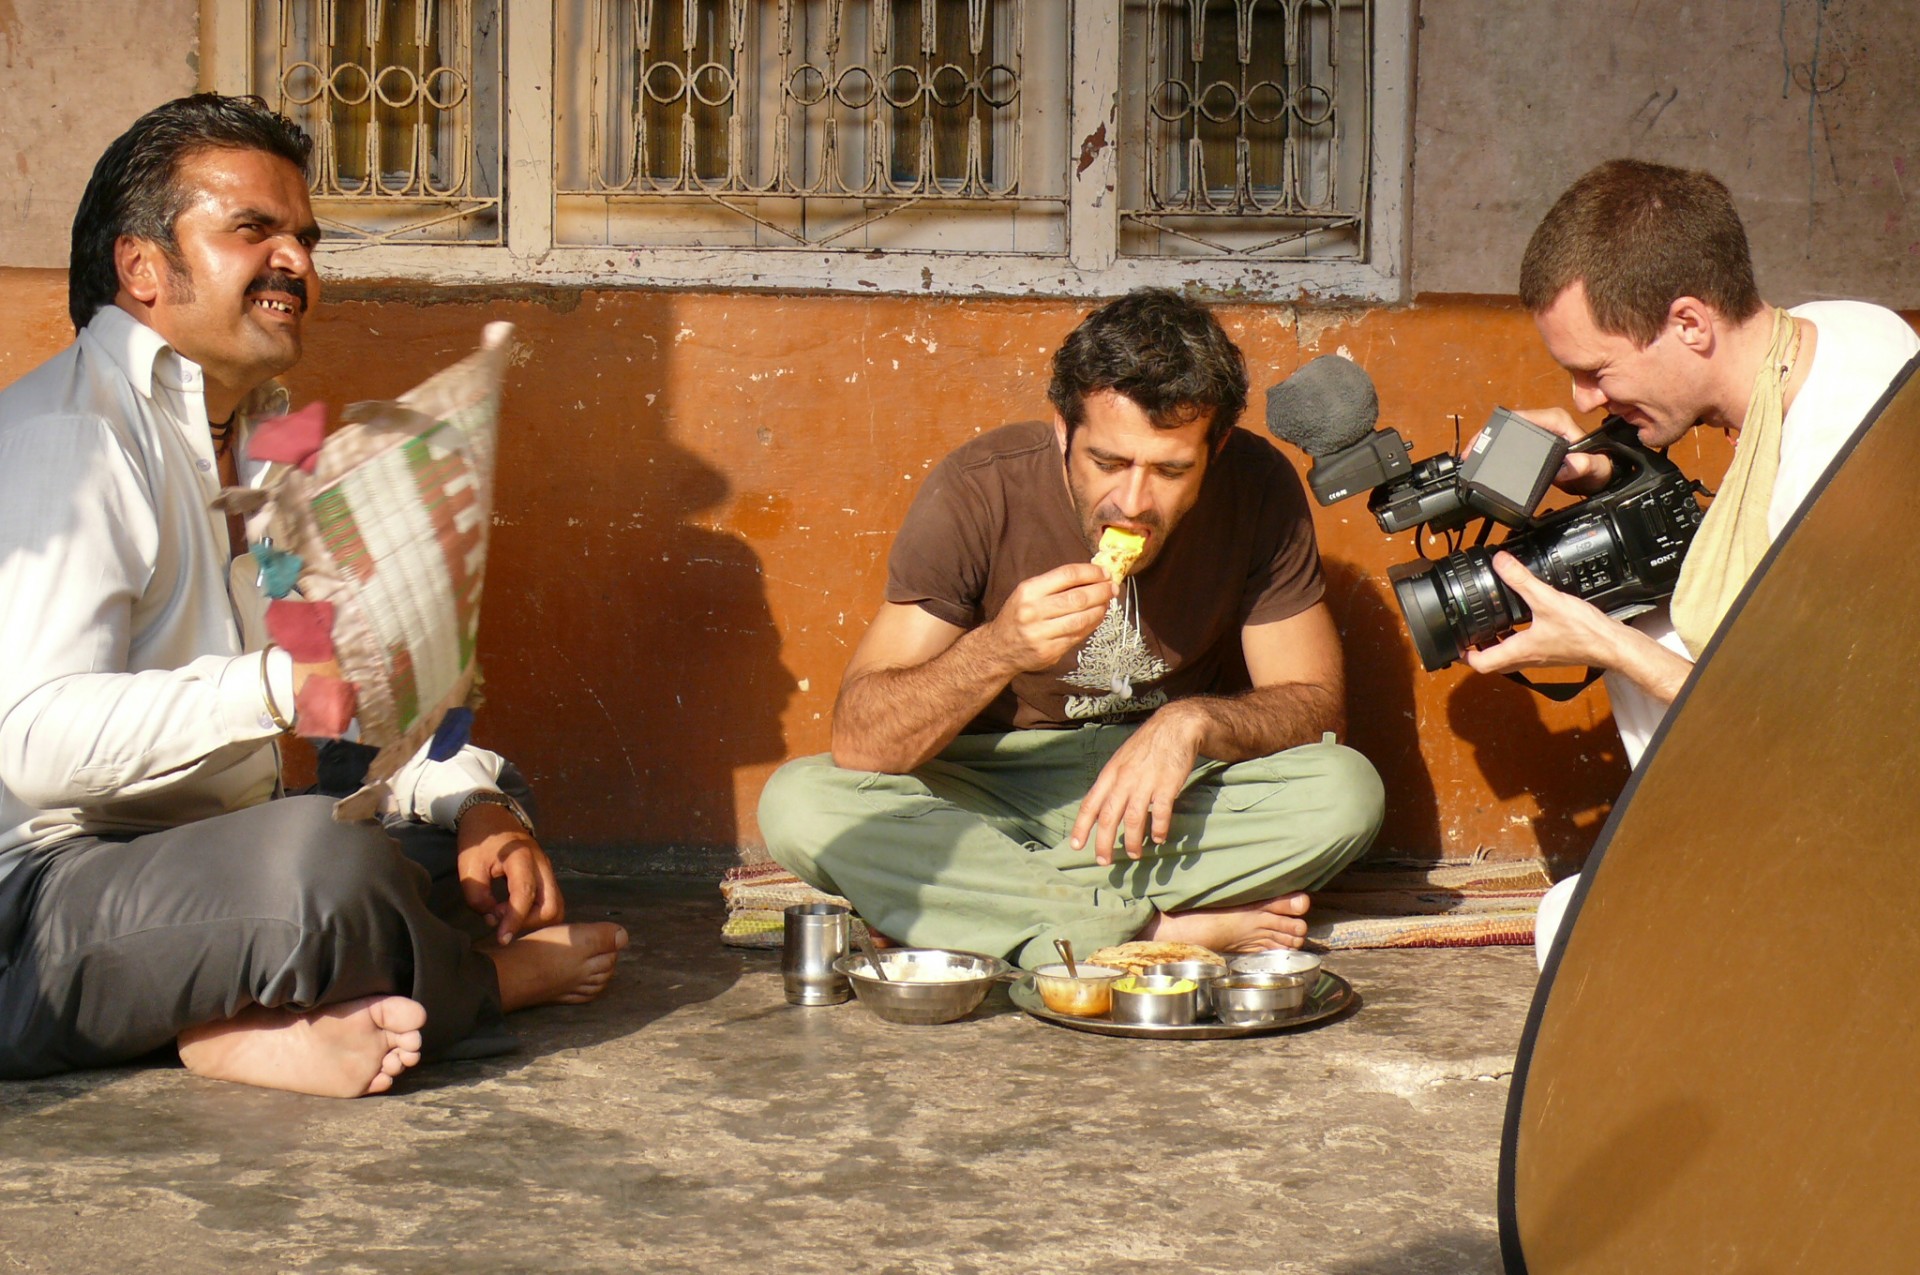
column 266, row 692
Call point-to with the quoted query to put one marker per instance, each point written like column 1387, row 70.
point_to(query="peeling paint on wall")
column 1090, row 150
column 1311, row 325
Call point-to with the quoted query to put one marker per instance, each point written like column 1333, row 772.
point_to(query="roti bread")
column 1119, row 550
column 1141, row 954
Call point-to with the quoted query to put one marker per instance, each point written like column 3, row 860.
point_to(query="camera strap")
column 1558, row 692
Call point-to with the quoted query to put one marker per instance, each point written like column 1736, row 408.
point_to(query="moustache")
column 1109, row 514
column 281, row 281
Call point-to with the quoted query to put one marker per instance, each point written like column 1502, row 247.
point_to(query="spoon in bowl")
column 1065, row 948
column 873, row 955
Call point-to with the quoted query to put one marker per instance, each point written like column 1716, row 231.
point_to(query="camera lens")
column 1453, row 605
column 1428, row 623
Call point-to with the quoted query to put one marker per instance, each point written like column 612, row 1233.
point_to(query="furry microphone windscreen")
column 1327, row 405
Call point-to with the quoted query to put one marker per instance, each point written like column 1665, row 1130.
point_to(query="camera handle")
column 1618, row 441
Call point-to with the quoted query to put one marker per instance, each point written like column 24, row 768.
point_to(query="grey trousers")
column 109, row 948
column 970, row 851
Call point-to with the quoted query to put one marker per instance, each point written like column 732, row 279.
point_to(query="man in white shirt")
column 152, row 890
column 1641, row 284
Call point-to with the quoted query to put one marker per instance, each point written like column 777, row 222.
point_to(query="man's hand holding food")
column 1049, row 615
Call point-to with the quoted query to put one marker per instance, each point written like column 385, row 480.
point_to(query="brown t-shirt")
column 996, row 512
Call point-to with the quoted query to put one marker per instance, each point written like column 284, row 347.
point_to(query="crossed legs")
column 970, row 850
column 276, row 946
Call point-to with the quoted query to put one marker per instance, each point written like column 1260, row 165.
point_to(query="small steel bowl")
column 1244, row 1000
column 1155, row 1000
column 1088, row 996
column 1279, row 961
column 924, row 985
column 1204, row 975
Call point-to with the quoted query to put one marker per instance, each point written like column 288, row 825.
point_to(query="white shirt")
column 131, row 662
column 1859, row 350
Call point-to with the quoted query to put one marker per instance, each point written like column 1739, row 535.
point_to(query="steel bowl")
column 1249, row 999
column 924, row 985
column 1204, row 975
column 1155, row 1000
column 1087, row 996
column 1279, row 961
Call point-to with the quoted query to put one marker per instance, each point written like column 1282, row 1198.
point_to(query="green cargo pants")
column 970, row 850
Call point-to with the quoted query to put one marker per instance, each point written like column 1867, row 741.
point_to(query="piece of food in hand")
column 1119, row 550
column 1141, row 954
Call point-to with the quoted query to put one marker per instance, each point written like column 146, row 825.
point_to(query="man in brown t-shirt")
column 1012, row 719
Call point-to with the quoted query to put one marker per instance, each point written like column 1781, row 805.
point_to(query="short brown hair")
column 1640, row 236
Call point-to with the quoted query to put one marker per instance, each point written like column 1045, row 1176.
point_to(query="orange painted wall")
column 697, row 493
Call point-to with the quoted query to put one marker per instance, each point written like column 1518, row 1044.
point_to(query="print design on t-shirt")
column 1114, row 659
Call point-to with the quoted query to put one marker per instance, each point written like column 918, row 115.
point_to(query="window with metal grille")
column 403, row 101
column 1062, row 146
column 795, row 123
column 1253, row 136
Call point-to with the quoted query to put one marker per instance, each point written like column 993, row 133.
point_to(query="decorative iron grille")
column 403, row 101
column 1254, row 119
column 811, row 119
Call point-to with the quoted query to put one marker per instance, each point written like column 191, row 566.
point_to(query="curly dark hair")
column 1163, row 351
column 134, row 188
column 1640, row 236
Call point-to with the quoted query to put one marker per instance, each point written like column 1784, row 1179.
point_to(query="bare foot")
column 1248, row 927
column 347, row 1050
column 558, row 965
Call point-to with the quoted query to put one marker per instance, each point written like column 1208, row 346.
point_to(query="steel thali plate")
column 1329, row 996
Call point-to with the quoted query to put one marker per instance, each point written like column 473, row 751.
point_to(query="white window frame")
column 1092, row 266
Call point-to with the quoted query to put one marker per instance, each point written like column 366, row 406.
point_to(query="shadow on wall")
column 1512, row 745
column 632, row 662
column 1383, row 719
column 1519, row 753
column 649, row 639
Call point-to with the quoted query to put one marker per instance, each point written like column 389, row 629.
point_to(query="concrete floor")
column 693, row 1121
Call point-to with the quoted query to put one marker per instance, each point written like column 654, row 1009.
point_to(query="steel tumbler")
column 817, row 935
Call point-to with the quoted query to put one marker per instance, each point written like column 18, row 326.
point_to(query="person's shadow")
column 1383, row 722
column 663, row 663
column 1520, row 753
column 631, row 662
column 1571, row 772
column 631, row 658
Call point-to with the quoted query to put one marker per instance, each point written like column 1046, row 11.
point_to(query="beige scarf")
column 1733, row 536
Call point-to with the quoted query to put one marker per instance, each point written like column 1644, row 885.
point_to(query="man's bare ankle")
column 562, row 964
column 1245, row 927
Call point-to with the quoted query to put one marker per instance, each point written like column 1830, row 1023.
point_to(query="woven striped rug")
column 1443, row 903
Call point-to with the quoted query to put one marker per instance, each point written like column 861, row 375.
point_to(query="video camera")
column 1619, row 549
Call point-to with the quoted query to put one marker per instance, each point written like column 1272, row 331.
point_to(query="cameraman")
column 1641, row 284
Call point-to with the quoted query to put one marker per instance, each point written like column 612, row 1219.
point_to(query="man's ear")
column 1695, row 323
column 1060, row 432
column 142, row 267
